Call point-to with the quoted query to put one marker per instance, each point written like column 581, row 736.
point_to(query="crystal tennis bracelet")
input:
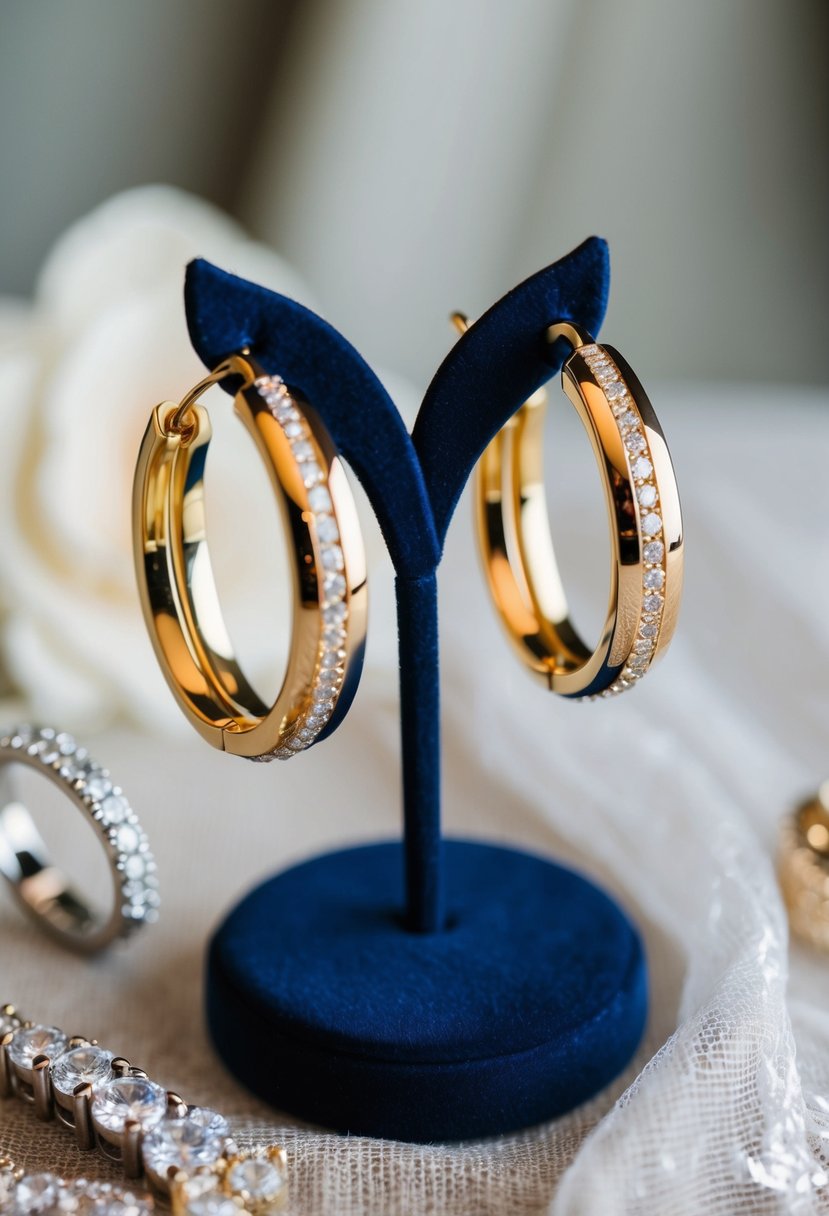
column 186, row 1153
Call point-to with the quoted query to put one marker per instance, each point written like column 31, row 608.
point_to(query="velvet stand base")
column 531, row 1000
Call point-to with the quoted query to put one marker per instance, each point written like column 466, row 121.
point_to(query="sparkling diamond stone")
column 127, row 838
column 334, row 587
column 197, row 1139
column 304, row 450
column 332, row 557
column 646, row 495
column 311, row 473
column 22, row 736
column 649, row 629
column 589, row 350
column 286, row 411
column 639, row 661
column 327, row 529
column 38, row 1193
column 654, row 579
column 82, row 1066
column 615, row 390
column 635, row 441
column 319, row 499
column 643, row 646
column 135, row 866
column 129, row 1099
column 334, row 614
column 294, row 430
column 654, row 551
column 652, row 603
column 257, row 1178
column 629, row 420
column 652, row 524
column 642, row 467
column 332, row 658
column 115, row 808
column 36, row 1041
column 212, row 1205
column 97, row 787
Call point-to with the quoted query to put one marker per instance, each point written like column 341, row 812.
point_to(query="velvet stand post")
column 431, row 989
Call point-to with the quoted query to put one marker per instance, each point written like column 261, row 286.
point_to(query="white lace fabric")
column 669, row 795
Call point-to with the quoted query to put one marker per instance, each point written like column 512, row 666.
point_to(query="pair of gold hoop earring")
column 180, row 601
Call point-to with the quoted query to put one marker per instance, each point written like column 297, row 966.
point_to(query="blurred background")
column 411, row 158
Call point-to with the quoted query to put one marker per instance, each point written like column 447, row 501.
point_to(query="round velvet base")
column 531, row 1000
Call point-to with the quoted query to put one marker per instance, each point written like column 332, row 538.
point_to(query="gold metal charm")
column 803, row 868
column 178, row 594
column 645, row 528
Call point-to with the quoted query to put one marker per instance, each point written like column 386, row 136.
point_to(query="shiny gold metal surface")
column 516, row 544
column 803, row 868
column 178, row 593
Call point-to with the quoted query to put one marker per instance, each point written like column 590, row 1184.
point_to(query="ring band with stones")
column 645, row 528
column 178, row 593
column 39, row 886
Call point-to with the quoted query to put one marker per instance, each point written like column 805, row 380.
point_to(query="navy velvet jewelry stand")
column 439, row 989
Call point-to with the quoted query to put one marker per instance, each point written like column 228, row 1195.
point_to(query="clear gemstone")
column 588, row 351
column 127, row 838
column 286, row 411
column 212, row 1205
column 197, row 1139
column 334, row 587
column 643, row 645
column 642, row 467
column 311, row 473
column 628, row 420
column 332, row 658
column 635, row 441
column 639, row 661
column 333, row 638
column 654, row 579
column 22, row 736
column 652, row 524
column 135, row 866
column 27, row 1043
column 82, row 1066
column 615, row 390
column 654, row 551
column 319, row 499
column 652, row 603
column 646, row 495
column 97, row 787
column 66, row 743
column 327, row 529
column 294, row 430
column 38, row 1193
column 333, row 614
column 649, row 629
column 332, row 557
column 257, row 1179
column 129, row 1099
column 304, row 450
column 115, row 808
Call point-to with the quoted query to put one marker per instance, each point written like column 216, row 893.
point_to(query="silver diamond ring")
column 42, row 890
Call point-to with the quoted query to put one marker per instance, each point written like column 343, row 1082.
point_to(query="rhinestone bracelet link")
column 186, row 1153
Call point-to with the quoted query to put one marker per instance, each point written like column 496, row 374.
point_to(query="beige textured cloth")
column 620, row 789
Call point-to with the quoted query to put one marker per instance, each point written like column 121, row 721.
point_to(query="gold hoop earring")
column 645, row 527
column 175, row 580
